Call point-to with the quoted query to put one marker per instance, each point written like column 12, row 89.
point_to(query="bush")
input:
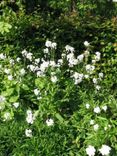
column 55, row 106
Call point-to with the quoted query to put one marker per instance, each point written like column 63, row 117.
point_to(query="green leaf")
column 5, row 27
column 13, row 99
column 25, row 87
column 8, row 92
column 59, row 117
column 40, row 82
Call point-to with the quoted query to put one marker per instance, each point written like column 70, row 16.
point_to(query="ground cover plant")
column 51, row 106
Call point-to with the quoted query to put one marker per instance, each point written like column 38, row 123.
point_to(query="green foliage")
column 4, row 27
column 46, row 88
column 51, row 103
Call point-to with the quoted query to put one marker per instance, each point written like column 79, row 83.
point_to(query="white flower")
column 31, row 67
column 77, row 81
column 77, row 77
column 30, row 118
column 38, row 98
column 40, row 73
column 87, row 106
column 86, row 76
column 101, row 75
column 36, row 92
column 2, row 98
column 37, row 60
column 60, row 61
column 90, row 150
column 46, row 50
column 24, row 52
column 97, row 87
column 69, row 48
column 86, row 53
column 49, row 122
column 52, row 63
column 11, row 61
column 80, row 57
column 16, row 104
column 72, row 62
column 104, row 108
column 48, row 44
column 96, row 126
column 114, row 0
column 98, row 53
column 105, row 150
column 54, row 79
column 86, row 43
column 28, row 132
column 94, row 80
column 97, row 110
column 36, row 68
column 2, row 56
column 29, row 56
column 10, row 77
column 18, row 59
column 28, row 112
column 91, row 122
column 63, row 55
column 7, row 71
column 89, row 68
column 93, row 61
column 44, row 65
column 22, row 71
column 70, row 56
column 97, row 56
column 54, row 45
column 7, row 116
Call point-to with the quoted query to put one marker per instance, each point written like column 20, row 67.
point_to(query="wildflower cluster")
column 58, row 96
column 104, row 150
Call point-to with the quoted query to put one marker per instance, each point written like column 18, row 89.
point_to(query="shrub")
column 53, row 106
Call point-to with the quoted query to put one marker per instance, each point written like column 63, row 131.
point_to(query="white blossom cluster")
column 97, row 57
column 72, row 60
column 97, row 110
column 90, row 68
column 28, row 55
column 77, row 77
column 30, row 117
column 40, row 67
column 49, row 122
column 50, row 44
column 2, row 56
column 104, row 150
